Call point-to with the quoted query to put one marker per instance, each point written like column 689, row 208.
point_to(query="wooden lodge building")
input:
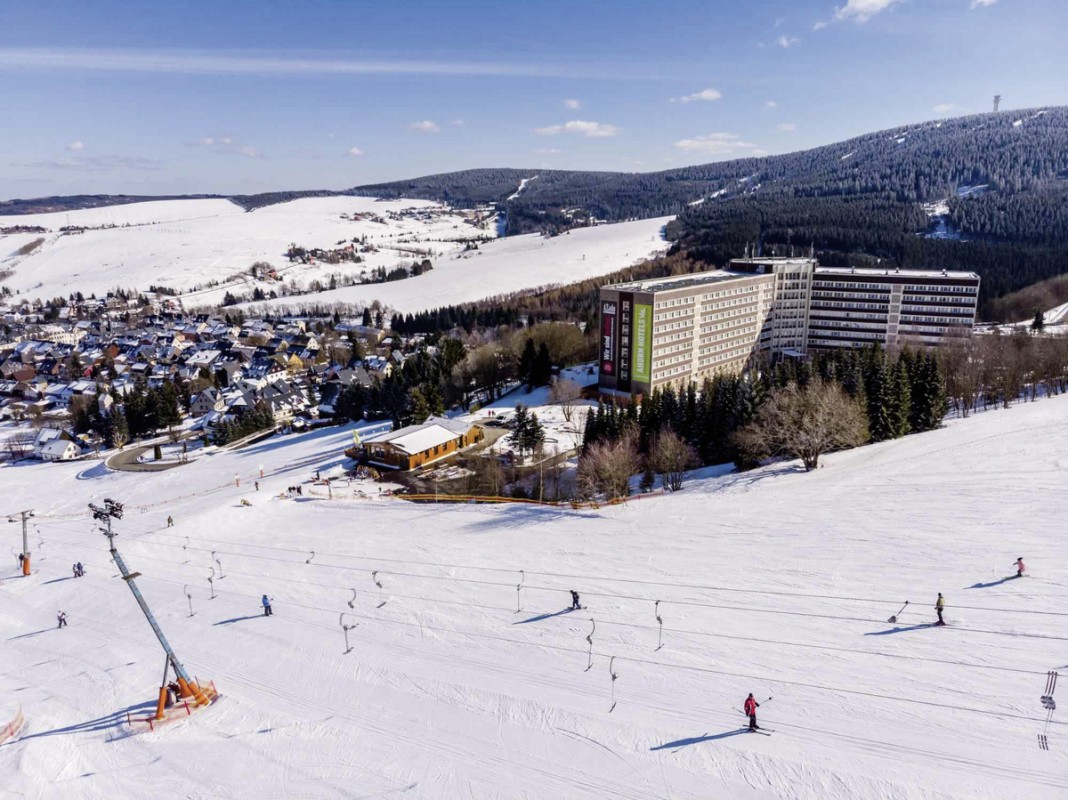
column 418, row 445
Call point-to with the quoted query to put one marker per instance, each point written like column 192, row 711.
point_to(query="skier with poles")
column 940, row 606
column 1020, row 568
column 750, row 707
column 267, row 612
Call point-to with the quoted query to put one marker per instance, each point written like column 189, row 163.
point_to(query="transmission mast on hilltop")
column 997, row 102
column 200, row 696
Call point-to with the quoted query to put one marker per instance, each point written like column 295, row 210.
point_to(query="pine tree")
column 520, row 423
column 542, row 371
column 533, row 435
column 899, row 400
column 116, row 431
column 525, row 368
column 433, row 400
column 589, row 430
column 420, row 407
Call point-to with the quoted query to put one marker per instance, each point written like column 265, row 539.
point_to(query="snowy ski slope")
column 508, row 265
column 183, row 244
column 774, row 581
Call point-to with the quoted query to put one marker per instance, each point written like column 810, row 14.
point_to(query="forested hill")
column 987, row 192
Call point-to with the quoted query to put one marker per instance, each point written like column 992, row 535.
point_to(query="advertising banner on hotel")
column 608, row 337
column 643, row 343
column 626, row 303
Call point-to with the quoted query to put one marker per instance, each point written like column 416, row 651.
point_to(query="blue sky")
column 108, row 96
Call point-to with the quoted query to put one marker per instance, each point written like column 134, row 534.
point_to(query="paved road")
column 126, row 461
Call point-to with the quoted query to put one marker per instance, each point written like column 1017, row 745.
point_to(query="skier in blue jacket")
column 266, row 606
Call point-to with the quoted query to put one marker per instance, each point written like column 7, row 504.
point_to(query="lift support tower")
column 200, row 696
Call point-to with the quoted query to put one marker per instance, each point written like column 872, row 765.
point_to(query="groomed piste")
column 775, row 582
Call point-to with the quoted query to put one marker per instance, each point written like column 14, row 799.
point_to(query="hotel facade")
column 675, row 330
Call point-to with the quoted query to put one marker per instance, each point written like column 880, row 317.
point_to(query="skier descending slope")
column 1020, row 568
column 750, row 707
column 266, row 606
column 940, row 606
column 575, row 600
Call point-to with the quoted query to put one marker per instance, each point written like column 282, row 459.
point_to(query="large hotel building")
column 676, row 330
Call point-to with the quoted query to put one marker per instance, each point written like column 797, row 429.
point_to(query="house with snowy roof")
column 416, row 446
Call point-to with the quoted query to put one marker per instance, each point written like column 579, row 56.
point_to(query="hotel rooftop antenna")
column 997, row 102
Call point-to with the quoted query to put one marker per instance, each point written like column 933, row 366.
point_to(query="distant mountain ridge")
column 987, row 192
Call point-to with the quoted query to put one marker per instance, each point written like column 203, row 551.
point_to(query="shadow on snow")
column 992, row 583
column 548, row 615
column 232, row 620
column 112, row 720
column 905, row 629
column 698, row 739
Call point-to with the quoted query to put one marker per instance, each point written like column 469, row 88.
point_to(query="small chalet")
column 418, row 445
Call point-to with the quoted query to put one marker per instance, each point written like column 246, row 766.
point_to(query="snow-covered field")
column 186, row 243
column 508, row 265
column 774, row 582
column 183, row 244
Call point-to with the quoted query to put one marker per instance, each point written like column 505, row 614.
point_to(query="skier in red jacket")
column 1019, row 567
column 750, row 707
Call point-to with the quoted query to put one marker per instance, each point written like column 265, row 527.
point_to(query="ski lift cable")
column 688, row 667
column 638, row 581
column 641, row 660
column 683, row 631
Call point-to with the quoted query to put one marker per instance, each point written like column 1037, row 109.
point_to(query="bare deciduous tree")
column 487, row 477
column 20, row 445
column 565, row 393
column 805, row 423
column 962, row 365
column 606, row 467
column 671, row 456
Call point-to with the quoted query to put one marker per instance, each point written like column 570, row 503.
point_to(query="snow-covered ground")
column 509, row 265
column 775, row 582
column 184, row 244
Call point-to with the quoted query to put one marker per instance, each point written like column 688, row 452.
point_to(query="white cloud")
column 787, row 126
column 719, row 144
column 819, row 26
column 76, row 146
column 594, row 130
column 705, row 94
column 201, row 62
column 355, row 151
column 547, row 151
column 425, row 126
column 982, row 4
column 225, row 145
column 98, row 164
column 770, row 104
column 861, row 10
column 943, row 108
column 785, row 41
column 572, row 104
